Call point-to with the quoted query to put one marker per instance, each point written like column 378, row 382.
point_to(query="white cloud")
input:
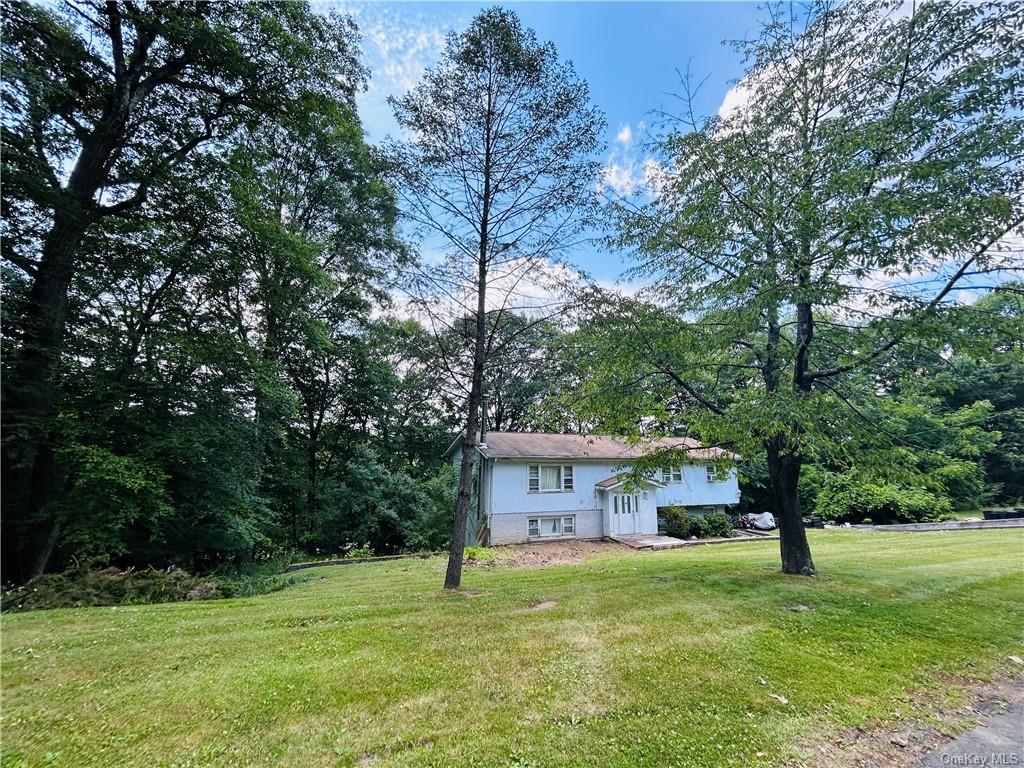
column 625, row 136
column 625, row 171
column 655, row 176
column 621, row 174
column 399, row 43
column 528, row 286
column 735, row 101
column 622, row 287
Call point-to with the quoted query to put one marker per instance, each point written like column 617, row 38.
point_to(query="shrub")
column 678, row 522
column 78, row 587
column 250, row 586
column 356, row 552
column 714, row 525
column 843, row 499
column 478, row 554
column 109, row 586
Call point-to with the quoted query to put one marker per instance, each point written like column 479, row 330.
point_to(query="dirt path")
column 929, row 739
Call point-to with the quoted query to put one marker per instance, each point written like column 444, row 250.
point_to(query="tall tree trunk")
column 46, row 550
column 784, row 479
column 311, row 475
column 453, row 574
column 784, row 469
column 30, row 390
column 470, row 440
column 30, row 396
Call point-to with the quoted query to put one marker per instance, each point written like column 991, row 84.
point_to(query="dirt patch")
column 936, row 723
column 546, row 605
column 548, row 553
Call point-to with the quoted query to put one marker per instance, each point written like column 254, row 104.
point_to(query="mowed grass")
column 646, row 659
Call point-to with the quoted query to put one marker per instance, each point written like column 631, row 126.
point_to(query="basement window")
column 551, row 526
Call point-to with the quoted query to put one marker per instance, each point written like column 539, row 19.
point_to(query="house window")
column 712, row 473
column 672, row 474
column 549, row 478
column 551, row 526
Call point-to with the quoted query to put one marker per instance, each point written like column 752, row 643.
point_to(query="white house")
column 535, row 487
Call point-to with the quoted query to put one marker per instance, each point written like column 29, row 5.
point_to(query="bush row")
column 78, row 587
column 681, row 524
column 843, row 499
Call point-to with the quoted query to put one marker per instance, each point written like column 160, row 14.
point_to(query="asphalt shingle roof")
column 539, row 445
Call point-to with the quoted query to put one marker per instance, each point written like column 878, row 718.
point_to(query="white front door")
column 625, row 508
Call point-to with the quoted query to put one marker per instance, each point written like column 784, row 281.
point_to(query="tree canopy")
column 873, row 170
column 205, row 364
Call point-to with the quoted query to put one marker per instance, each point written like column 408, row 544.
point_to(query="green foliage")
column 108, row 494
column 80, row 587
column 784, row 272
column 478, row 554
column 496, row 168
column 387, row 510
column 714, row 525
column 109, row 586
column 525, row 372
column 125, row 237
column 359, row 552
column 682, row 525
column 845, row 499
column 221, row 371
column 429, row 528
column 987, row 364
column 678, row 522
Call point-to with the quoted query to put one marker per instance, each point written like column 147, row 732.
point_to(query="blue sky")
column 629, row 54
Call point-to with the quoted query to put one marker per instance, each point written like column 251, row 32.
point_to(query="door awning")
column 617, row 481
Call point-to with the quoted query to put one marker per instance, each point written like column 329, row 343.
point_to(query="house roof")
column 539, row 445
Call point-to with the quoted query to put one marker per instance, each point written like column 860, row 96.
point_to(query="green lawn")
column 645, row 659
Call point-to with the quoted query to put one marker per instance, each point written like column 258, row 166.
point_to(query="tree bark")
column 453, row 574
column 784, row 470
column 46, row 551
column 470, row 440
column 311, row 475
column 784, row 477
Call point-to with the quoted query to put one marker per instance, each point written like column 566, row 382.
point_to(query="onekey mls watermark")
column 985, row 760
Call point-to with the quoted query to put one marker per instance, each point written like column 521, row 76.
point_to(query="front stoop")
column 649, row 541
